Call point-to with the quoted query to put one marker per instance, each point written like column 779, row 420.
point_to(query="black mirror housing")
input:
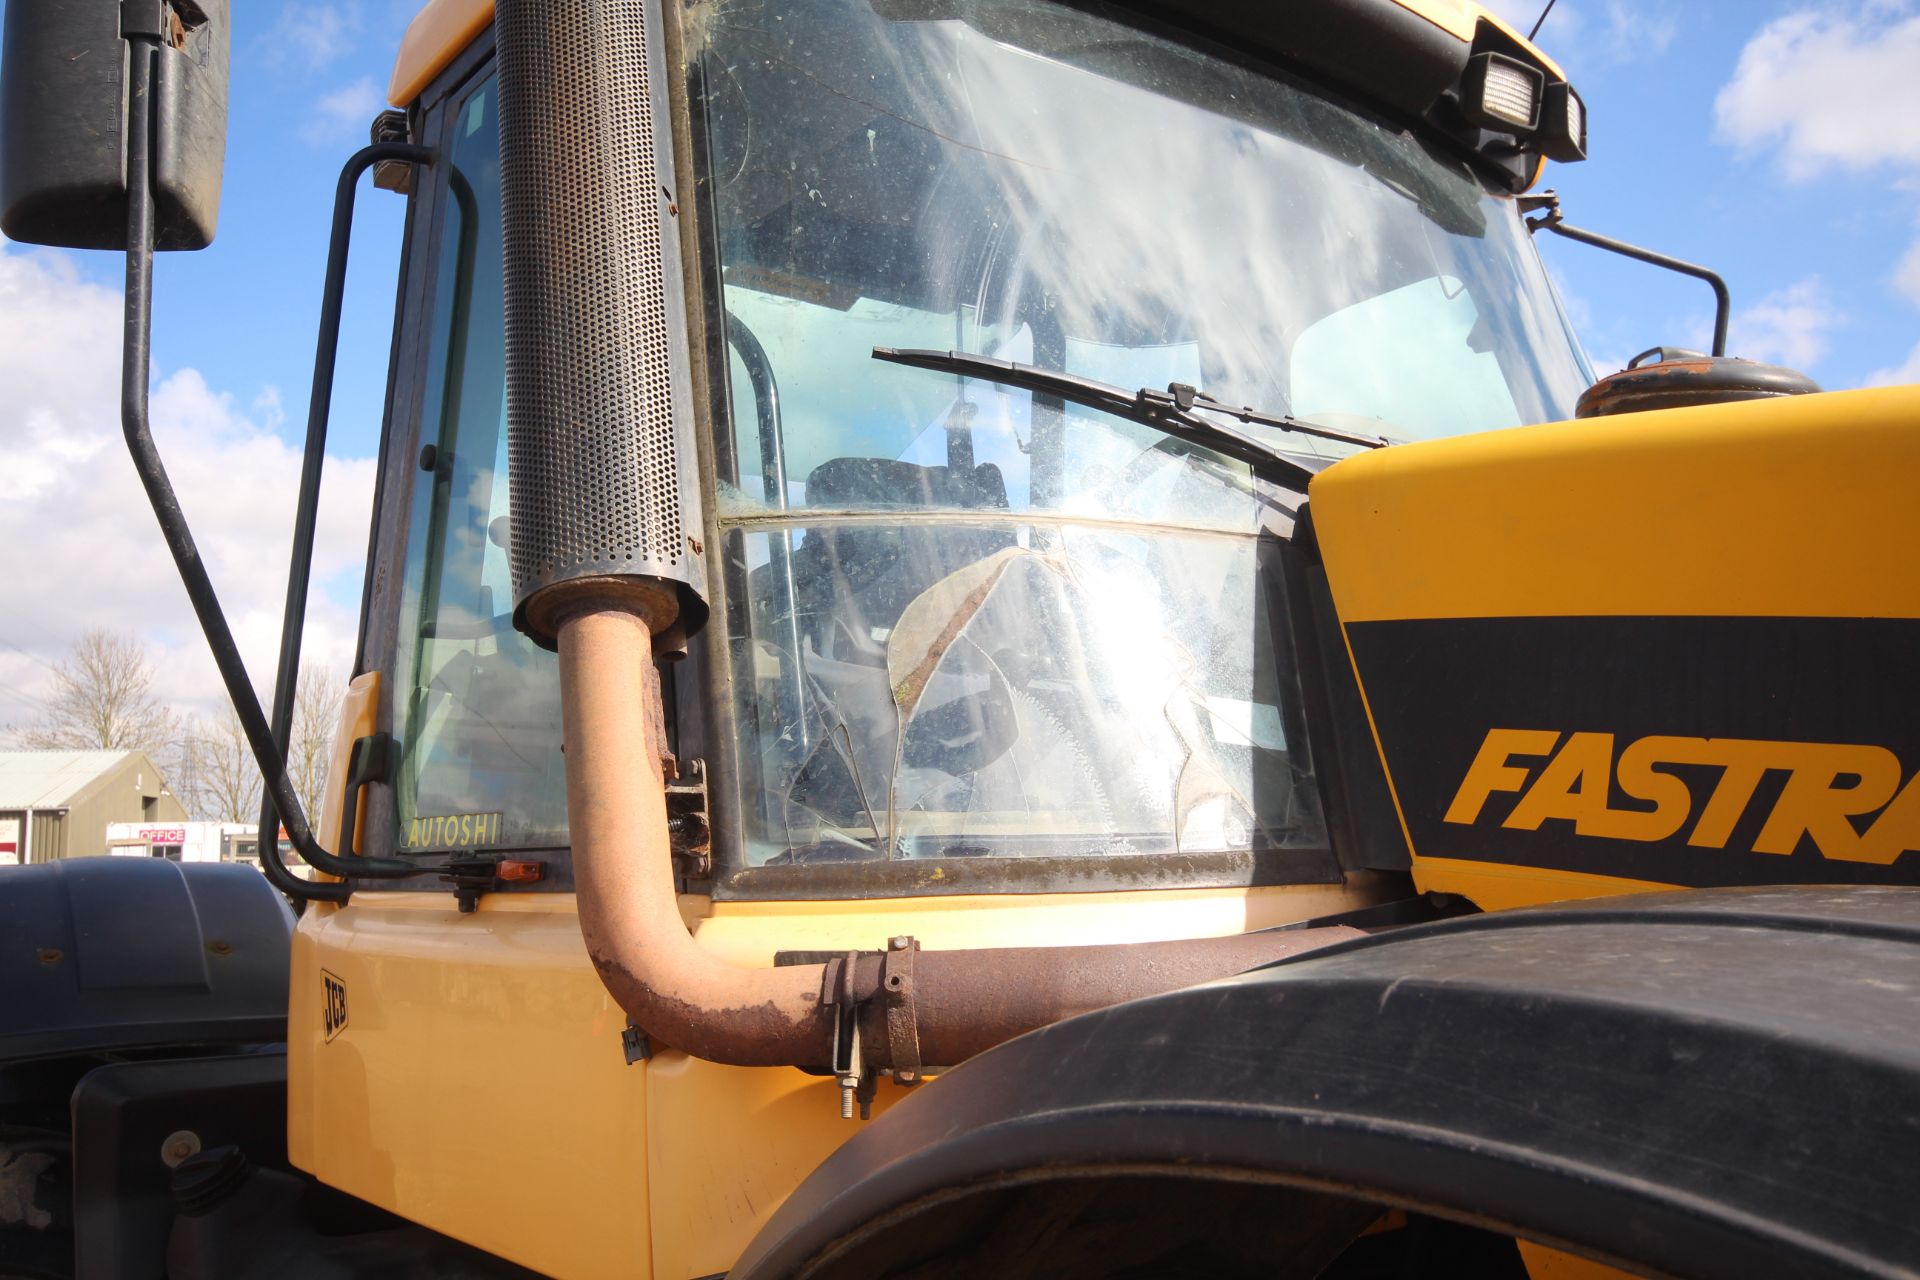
column 63, row 112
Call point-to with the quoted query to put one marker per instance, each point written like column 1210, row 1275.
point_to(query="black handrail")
column 773, row 486
column 305, row 519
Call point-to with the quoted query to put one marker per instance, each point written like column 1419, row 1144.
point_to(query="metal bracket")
column 896, row 996
column 1547, row 202
column 476, row 874
column 689, row 830
column 634, row 1044
column 848, row 1070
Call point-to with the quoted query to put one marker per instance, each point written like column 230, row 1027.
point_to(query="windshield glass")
column 1030, row 181
column 1073, row 645
column 968, row 621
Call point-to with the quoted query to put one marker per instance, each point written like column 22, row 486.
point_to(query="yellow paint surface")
column 750, row 932
column 1544, row 1263
column 435, row 37
column 1796, row 507
column 478, row 1086
column 480, row 1052
column 1496, row 886
column 727, row 1146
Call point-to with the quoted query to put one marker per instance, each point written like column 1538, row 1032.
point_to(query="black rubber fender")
column 1713, row 1083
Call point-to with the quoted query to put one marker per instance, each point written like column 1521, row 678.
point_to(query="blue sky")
column 1810, row 229
column 1774, row 140
column 1808, row 236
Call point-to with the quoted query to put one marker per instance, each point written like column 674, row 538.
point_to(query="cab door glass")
column 477, row 705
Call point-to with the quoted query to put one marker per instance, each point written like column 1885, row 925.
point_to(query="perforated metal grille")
column 593, row 459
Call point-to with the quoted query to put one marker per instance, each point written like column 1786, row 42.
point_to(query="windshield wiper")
column 1171, row 411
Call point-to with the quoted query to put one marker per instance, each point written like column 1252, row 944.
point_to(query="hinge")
column 689, row 831
column 144, row 20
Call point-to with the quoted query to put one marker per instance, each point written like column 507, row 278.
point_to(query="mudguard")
column 1716, row 1083
column 129, row 953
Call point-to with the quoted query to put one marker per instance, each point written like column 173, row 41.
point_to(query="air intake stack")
column 601, row 462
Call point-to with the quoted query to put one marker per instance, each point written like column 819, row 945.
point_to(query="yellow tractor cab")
column 977, row 612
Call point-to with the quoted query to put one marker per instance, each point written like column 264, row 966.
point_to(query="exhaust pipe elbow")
column 623, row 871
column 914, row 1012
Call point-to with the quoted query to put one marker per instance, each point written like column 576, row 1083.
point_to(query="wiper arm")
column 1171, row 411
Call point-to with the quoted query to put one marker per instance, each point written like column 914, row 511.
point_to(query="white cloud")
column 1830, row 88
column 1635, row 32
column 344, row 112
column 313, row 37
column 1789, row 326
column 268, row 409
column 1900, row 375
column 79, row 546
column 1618, row 32
column 1906, row 276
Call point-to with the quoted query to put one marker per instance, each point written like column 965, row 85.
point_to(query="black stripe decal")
column 1557, row 742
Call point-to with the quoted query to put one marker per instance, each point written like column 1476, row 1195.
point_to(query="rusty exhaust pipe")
column 608, row 568
column 915, row 1010
column 623, row 873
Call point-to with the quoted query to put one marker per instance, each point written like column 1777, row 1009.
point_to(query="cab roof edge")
column 442, row 28
column 435, row 37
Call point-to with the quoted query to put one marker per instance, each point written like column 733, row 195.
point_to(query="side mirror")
column 63, row 112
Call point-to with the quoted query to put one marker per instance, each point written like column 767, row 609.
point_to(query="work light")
column 1563, row 126
column 1502, row 93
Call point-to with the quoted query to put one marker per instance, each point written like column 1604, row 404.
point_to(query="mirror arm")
column 136, row 356
column 1551, row 220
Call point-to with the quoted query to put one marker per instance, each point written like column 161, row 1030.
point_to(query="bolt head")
column 178, row 1145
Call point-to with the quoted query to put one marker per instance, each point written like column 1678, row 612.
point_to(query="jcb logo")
column 333, row 1003
column 1848, row 799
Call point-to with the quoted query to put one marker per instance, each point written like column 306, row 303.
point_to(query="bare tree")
column 217, row 779
column 316, row 713
column 180, row 765
column 103, row 700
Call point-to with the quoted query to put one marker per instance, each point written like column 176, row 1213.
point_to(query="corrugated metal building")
column 57, row 804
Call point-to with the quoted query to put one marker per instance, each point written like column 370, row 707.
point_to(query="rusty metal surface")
column 965, row 1002
column 900, row 1010
column 945, row 1006
column 1679, row 384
